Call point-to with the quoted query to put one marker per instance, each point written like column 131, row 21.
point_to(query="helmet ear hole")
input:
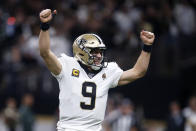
column 81, row 54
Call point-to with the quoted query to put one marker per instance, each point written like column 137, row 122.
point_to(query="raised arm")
column 44, row 45
column 142, row 63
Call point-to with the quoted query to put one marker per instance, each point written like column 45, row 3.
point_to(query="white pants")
column 70, row 130
column 67, row 130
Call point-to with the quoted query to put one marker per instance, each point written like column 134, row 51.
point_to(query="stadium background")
column 118, row 22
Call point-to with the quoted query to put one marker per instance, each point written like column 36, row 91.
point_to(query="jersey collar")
column 90, row 73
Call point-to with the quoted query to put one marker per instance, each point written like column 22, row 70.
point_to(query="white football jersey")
column 82, row 100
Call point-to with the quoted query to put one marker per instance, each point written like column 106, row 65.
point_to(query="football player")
column 84, row 80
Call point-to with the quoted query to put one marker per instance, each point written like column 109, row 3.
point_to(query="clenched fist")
column 147, row 37
column 46, row 15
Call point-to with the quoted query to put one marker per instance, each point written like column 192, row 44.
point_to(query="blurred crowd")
column 117, row 22
column 19, row 119
column 121, row 115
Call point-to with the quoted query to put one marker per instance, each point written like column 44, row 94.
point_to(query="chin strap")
column 95, row 67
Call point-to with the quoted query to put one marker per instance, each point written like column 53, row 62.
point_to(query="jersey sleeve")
column 116, row 73
column 63, row 59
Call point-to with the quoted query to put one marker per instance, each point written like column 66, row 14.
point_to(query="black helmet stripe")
column 97, row 38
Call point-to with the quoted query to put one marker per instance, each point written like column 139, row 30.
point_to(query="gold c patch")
column 75, row 72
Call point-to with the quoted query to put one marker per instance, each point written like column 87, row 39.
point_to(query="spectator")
column 176, row 121
column 185, row 17
column 27, row 117
column 190, row 114
column 122, row 119
column 11, row 114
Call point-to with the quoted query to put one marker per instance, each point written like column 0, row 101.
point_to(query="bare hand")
column 46, row 15
column 147, row 37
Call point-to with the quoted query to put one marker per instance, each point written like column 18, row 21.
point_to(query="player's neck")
column 89, row 71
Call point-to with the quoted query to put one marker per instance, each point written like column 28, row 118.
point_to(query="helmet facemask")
column 93, row 59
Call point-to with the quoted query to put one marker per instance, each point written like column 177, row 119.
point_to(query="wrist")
column 44, row 26
column 147, row 48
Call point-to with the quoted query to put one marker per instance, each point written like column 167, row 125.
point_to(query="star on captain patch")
column 104, row 76
column 75, row 72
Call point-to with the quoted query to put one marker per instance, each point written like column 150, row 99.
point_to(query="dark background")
column 171, row 73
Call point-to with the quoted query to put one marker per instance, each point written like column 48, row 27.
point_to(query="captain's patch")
column 75, row 72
